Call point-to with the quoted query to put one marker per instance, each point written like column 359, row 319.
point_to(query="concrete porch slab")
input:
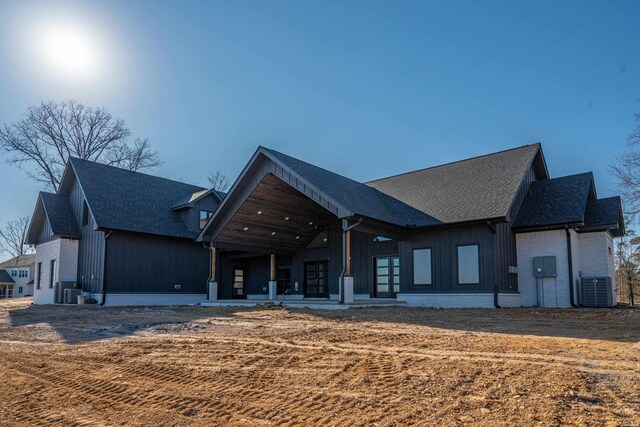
column 315, row 304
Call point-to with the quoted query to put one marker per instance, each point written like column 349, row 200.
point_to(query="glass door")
column 238, row 283
column 315, row 279
column 387, row 276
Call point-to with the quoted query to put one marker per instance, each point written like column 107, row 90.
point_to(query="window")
column 422, row 266
column 610, row 251
column 204, row 217
column 14, row 272
column 39, row 275
column 52, row 270
column 23, row 273
column 468, row 264
column 19, row 289
column 85, row 214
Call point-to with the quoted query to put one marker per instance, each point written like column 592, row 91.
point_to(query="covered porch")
column 277, row 240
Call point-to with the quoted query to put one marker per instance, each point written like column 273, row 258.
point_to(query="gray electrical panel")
column 544, row 266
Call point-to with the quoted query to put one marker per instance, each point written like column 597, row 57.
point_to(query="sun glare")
column 70, row 52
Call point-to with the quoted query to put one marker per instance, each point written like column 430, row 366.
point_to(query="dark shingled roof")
column 555, row 201
column 120, row 199
column 5, row 277
column 603, row 212
column 355, row 196
column 478, row 188
column 60, row 214
column 19, row 261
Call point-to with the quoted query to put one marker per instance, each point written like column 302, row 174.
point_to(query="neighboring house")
column 126, row 237
column 16, row 276
column 464, row 234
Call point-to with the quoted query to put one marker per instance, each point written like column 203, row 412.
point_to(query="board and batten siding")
column 507, row 257
column 140, row 263
column 91, row 245
column 45, row 234
column 443, row 243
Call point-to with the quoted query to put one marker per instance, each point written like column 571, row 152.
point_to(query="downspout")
column 345, row 228
column 104, row 269
column 570, row 259
column 495, row 264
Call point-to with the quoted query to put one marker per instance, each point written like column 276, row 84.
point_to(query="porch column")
column 272, row 278
column 213, row 283
column 347, row 285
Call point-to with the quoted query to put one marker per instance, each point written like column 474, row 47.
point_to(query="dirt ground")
column 93, row 366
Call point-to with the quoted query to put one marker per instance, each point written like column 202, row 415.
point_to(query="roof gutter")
column 345, row 228
column 570, row 260
column 495, row 264
column 104, row 269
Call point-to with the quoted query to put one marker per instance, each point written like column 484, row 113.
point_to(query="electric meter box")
column 544, row 266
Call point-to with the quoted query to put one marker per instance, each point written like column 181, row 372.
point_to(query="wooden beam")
column 272, row 276
column 348, row 254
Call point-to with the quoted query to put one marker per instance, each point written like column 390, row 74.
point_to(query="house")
column 125, row 237
column 490, row 231
column 16, row 276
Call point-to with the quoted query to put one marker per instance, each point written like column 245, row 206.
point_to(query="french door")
column 387, row 276
column 315, row 279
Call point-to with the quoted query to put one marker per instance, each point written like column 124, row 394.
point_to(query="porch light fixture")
column 245, row 228
column 325, row 239
column 310, row 222
column 259, row 212
column 297, row 237
column 286, row 218
column 273, row 233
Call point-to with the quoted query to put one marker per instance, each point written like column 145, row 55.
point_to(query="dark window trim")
column 39, row 283
column 413, row 272
column 209, row 215
column 457, row 266
column 52, row 271
column 244, row 282
column 85, row 214
column 374, row 271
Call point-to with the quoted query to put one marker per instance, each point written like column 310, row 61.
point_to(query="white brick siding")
column 595, row 258
column 590, row 257
column 450, row 300
column 65, row 252
column 543, row 243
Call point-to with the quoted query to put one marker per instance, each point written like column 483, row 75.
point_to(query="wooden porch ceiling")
column 288, row 219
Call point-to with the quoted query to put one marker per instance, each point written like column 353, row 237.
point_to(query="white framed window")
column 19, row 289
column 468, row 265
column 422, row 266
column 14, row 272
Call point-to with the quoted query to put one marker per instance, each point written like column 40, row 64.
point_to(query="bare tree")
column 13, row 237
column 627, row 169
column 628, row 268
column 52, row 132
column 219, row 181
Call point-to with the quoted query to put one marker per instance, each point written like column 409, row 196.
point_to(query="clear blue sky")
column 365, row 89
